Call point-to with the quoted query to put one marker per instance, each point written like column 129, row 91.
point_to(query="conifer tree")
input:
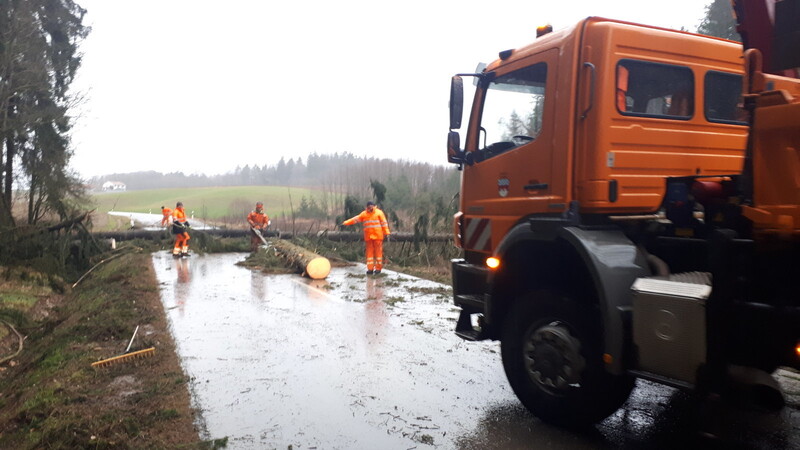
column 38, row 60
column 719, row 21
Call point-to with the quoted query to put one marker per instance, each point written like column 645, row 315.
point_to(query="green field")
column 212, row 203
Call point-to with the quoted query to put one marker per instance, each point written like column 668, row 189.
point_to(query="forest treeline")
column 338, row 172
column 406, row 190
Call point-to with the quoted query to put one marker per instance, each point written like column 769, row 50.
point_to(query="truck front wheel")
column 552, row 355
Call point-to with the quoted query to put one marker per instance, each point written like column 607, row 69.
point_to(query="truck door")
column 511, row 170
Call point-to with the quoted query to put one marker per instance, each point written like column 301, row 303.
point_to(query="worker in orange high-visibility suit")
column 375, row 230
column 167, row 213
column 258, row 221
column 180, row 227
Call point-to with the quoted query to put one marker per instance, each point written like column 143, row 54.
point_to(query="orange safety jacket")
column 258, row 220
column 166, row 212
column 375, row 226
column 179, row 214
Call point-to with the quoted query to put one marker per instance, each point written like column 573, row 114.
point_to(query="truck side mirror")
column 454, row 153
column 456, row 102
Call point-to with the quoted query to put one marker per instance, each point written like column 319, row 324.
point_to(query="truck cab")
column 599, row 113
column 599, row 176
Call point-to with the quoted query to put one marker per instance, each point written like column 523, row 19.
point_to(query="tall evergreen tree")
column 378, row 191
column 281, row 174
column 514, row 126
column 719, row 21
column 38, row 60
column 289, row 173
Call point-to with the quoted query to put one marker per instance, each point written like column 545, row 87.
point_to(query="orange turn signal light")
column 797, row 349
column 544, row 29
column 492, row 262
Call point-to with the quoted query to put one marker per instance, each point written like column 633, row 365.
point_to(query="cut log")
column 313, row 265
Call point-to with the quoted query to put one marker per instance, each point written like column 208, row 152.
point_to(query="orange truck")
column 616, row 222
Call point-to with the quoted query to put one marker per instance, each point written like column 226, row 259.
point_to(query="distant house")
column 114, row 186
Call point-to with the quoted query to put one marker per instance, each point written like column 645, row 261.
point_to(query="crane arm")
column 773, row 28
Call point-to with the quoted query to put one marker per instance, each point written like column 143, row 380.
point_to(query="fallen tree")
column 64, row 249
column 311, row 264
column 337, row 236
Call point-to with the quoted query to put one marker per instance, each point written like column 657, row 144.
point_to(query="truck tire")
column 552, row 355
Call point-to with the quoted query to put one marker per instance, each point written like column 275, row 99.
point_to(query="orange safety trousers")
column 181, row 243
column 181, row 239
column 374, row 254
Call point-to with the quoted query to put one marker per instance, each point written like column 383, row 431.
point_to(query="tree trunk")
column 313, row 265
column 9, row 170
column 6, row 214
column 31, row 200
column 337, row 236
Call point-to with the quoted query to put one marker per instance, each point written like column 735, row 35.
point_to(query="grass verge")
column 53, row 398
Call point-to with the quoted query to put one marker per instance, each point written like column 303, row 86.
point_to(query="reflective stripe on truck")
column 478, row 235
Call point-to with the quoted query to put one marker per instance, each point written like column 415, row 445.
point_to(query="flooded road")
column 353, row 363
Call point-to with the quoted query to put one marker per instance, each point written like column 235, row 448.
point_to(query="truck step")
column 470, row 335
column 470, row 301
column 465, row 330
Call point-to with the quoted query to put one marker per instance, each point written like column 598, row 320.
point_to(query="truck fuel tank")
column 669, row 326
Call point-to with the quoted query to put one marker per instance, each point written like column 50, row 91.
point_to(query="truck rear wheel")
column 552, row 355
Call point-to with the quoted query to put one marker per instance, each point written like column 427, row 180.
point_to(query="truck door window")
column 723, row 97
column 654, row 90
column 513, row 109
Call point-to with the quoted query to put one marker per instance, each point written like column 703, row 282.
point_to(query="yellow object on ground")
column 125, row 358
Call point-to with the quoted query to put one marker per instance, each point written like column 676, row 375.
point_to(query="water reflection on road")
column 353, row 362
column 279, row 360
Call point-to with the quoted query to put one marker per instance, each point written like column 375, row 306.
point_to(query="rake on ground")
column 127, row 356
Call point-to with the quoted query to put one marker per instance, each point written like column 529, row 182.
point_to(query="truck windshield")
column 513, row 107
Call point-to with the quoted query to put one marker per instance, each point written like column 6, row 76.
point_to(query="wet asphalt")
column 357, row 362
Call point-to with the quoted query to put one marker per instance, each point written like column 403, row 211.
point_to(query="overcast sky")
column 201, row 87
